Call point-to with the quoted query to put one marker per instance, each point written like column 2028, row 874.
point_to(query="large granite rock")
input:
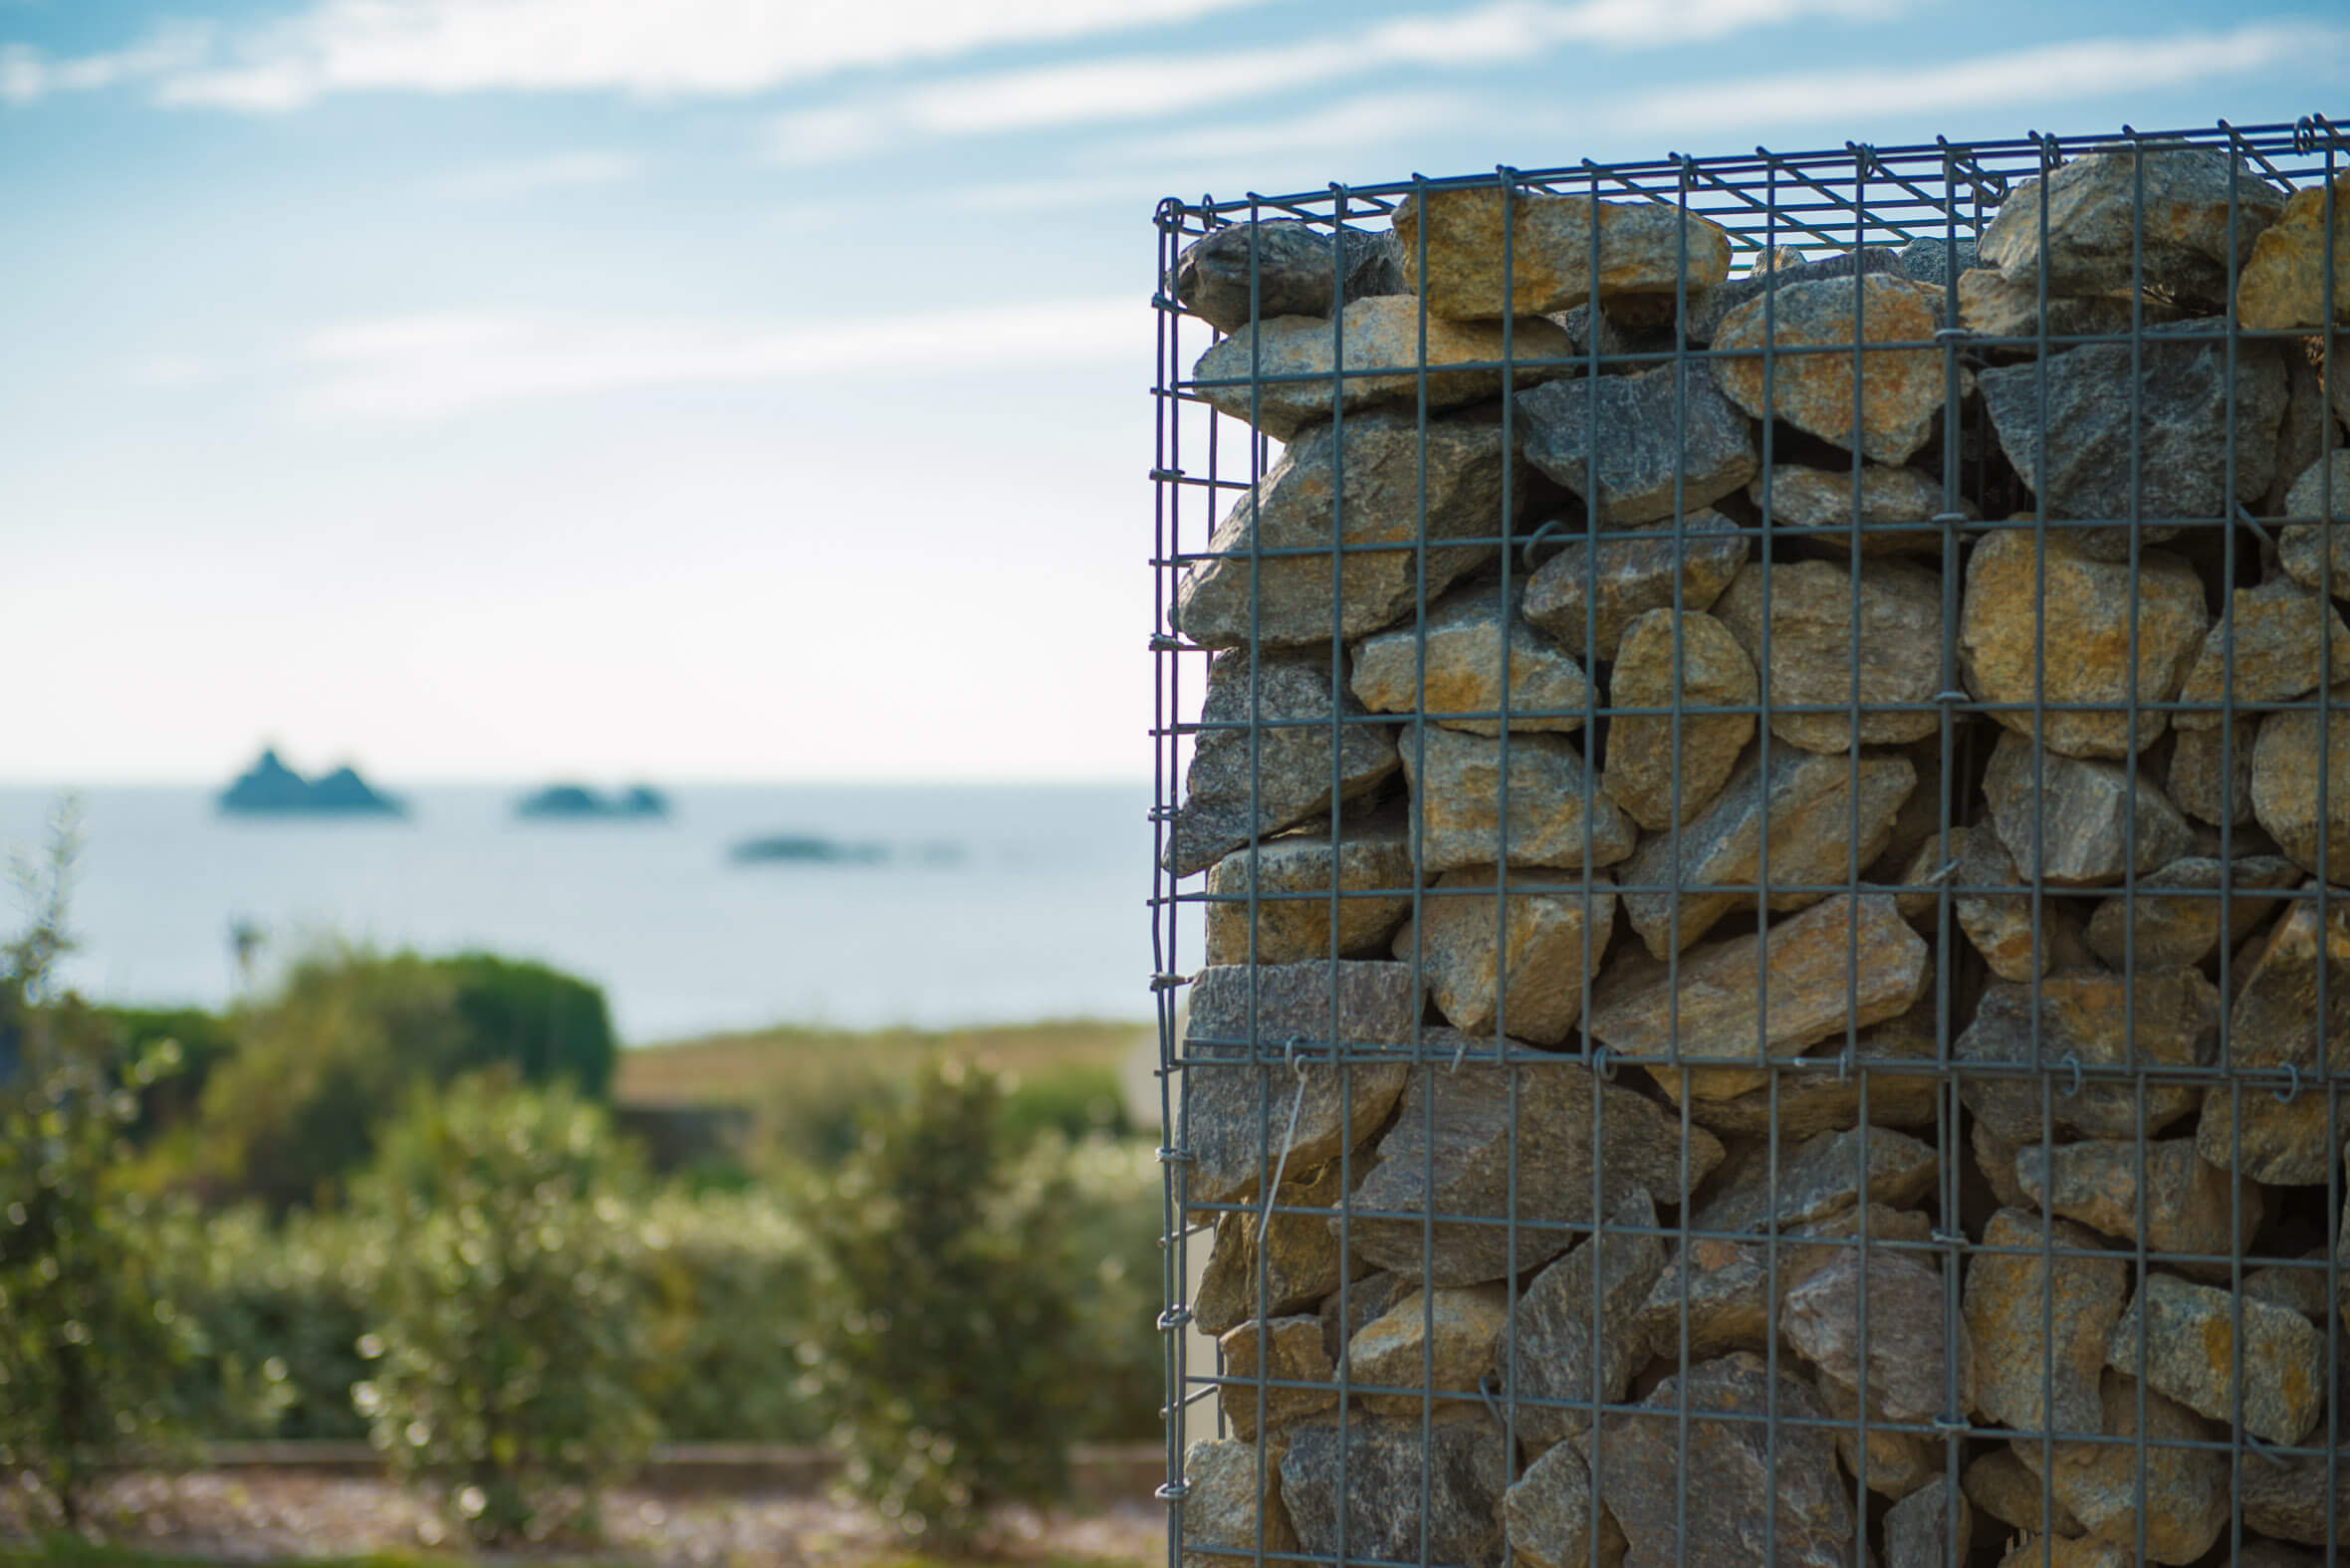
column 2043, row 1322
column 2160, row 1018
column 1900, row 391
column 1291, row 267
column 1452, row 1146
column 2190, row 1334
column 1929, row 1527
column 1555, row 803
column 1452, row 668
column 1901, row 1361
column 1812, row 610
column 1802, row 807
column 1665, row 436
column 1292, row 874
column 1264, row 761
column 2274, row 1021
column 2182, row 1493
column 2173, row 413
column 2317, row 555
column 1236, row 1110
column 1377, row 467
column 2283, row 285
column 1891, row 1462
column 2275, row 634
column 2076, row 822
column 1820, row 1177
column 1929, row 260
column 1362, row 1485
column 2155, row 929
column 1298, row 1261
column 1785, row 268
column 1561, row 251
column 1527, row 981
column 2086, row 607
column 2016, row 940
column 2307, row 432
column 1993, row 305
column 1458, row 1331
column 1588, row 593
column 1292, row 372
column 1548, row 1515
column 1654, row 761
column 2190, row 1205
column 1846, row 963
column 1730, row 1484
column 1576, row 1329
column 1262, row 1354
column 2290, row 1498
column 1828, row 1099
column 1816, row 505
column 1721, row 1292
column 1232, row 1504
column 1997, row 1482
column 2105, row 215
column 2310, row 823
column 2210, row 772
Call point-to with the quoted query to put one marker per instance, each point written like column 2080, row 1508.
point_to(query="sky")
column 758, row 389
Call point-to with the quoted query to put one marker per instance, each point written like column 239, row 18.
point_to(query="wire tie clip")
column 1168, row 981
column 2292, row 1087
column 1170, row 1155
column 1173, row 1491
column 1603, row 1065
column 1485, row 1392
column 2074, row 1062
column 1527, row 552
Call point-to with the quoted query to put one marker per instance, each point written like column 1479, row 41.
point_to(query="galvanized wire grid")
column 1846, row 199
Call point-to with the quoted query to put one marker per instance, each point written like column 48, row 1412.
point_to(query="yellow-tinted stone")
column 1901, row 388
column 2283, row 285
column 1550, row 258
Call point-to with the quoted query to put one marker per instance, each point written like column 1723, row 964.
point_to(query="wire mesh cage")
column 1755, row 742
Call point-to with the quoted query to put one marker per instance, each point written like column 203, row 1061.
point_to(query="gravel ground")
column 258, row 1515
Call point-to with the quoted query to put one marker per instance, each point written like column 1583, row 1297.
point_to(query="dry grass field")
column 804, row 1062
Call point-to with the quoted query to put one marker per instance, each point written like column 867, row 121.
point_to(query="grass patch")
column 797, row 1061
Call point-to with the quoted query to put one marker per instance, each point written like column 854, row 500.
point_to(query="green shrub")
column 732, row 1284
column 945, row 1352
column 204, row 1041
column 511, row 1348
column 553, row 1027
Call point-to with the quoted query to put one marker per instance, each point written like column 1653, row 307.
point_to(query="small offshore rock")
column 2191, row 1347
column 1907, row 1356
column 2105, row 215
column 1901, row 390
column 1561, row 251
column 2173, row 414
column 1229, row 1504
column 1992, row 305
column 1816, row 1179
column 2003, row 927
column 1720, row 1480
column 1896, row 504
column 2287, row 767
column 1450, row 1154
column 1286, row 373
column 1814, row 652
column 2157, row 930
column 1554, row 800
column 1690, row 661
column 2087, row 609
column 1548, row 1514
column 1933, row 261
column 1379, row 464
column 1830, row 1099
column 2210, row 772
column 1234, row 1110
column 1843, row 964
column 2283, row 285
column 1576, row 1329
column 1463, row 642
column 1998, row 1482
column 1273, row 1350
column 1554, row 944
column 2003, row 1307
column 1299, row 1258
column 1776, row 271
column 1725, row 1286
column 1929, row 1527
column 1291, row 872
column 1292, row 267
column 2190, row 1204
column 2172, row 1021
column 1633, row 577
column 2317, row 555
column 1348, row 1485
column 1803, row 807
column 1666, row 437
column 2275, row 634
column 1459, row 1329
column 2077, row 822
column 2183, row 1490
column 2275, row 1021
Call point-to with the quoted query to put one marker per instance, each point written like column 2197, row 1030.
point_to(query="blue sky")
column 756, row 389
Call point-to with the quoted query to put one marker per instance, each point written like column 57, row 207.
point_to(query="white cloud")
column 27, row 76
column 173, row 371
column 431, row 366
column 521, row 178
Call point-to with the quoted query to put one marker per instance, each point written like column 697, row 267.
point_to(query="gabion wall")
column 1760, row 761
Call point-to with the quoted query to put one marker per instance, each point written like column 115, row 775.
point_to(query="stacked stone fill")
column 1767, row 910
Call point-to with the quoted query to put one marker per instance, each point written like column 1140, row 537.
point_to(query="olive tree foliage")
column 88, row 1343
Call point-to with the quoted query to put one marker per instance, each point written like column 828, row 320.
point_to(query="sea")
column 957, row 904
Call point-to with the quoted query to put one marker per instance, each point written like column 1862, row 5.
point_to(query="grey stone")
column 1548, row 1514
column 1455, row 782
column 1232, row 796
column 2066, row 1552
column 1992, row 305
column 1576, row 1329
column 1299, row 1258
column 1890, row 1463
column 1536, row 972
column 1933, row 261
column 2173, row 413
column 2273, row 633
column 1905, row 1352
column 2043, row 1322
column 1843, row 964
column 1788, row 267
column 1829, row 1100
column 2190, row 1204
column 1259, row 1354
column 1690, row 661
column 2288, row 1497
column 2086, row 609
column 1287, row 373
column 1929, row 1527
column 2172, row 1021
column 1352, row 1484
column 2001, row 925
column 1815, row 505
column 2192, row 1335
column 1997, row 1482
column 1462, row 643
column 1630, row 338
column 1996, row 1158
column 1665, row 437
column 2302, row 1289
column 1380, row 463
column 1292, row 873
column 1633, row 575
column 2295, row 751
column 2275, row 1554
column 1560, row 251
column 1900, row 391
column 2210, row 772
column 1292, row 265
column 1457, row 1330
column 1233, row 1500
column 2081, row 823
column 1816, row 1179
column 1802, row 807
column 1450, row 1154
column 2182, row 1493
column 2105, row 215
column 1725, row 1479
column 1364, row 1302
column 2317, row 553
column 1812, row 656
column 2307, row 432
column 1724, row 1289
column 2274, row 1023
column 2155, row 931
column 1236, row 1110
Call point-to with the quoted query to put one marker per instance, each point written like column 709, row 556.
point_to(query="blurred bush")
column 551, row 1027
